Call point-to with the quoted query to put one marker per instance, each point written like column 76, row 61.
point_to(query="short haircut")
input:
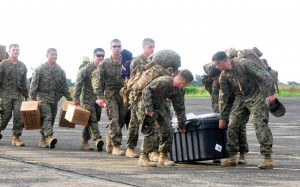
column 13, row 45
column 115, row 40
column 51, row 50
column 98, row 49
column 186, row 75
column 219, row 56
column 148, row 40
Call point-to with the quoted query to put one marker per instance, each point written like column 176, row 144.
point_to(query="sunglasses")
column 116, row 46
column 99, row 55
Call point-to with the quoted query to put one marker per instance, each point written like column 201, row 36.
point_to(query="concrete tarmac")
column 67, row 165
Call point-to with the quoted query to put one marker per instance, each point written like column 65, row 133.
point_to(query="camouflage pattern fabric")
column 245, row 80
column 107, row 83
column 48, row 85
column 13, row 84
column 137, row 61
column 241, row 129
column 153, row 96
column 48, row 114
column 84, row 88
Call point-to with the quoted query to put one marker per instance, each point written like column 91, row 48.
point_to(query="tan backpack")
column 143, row 75
column 253, row 55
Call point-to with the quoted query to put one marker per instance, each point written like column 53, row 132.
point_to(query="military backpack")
column 253, row 55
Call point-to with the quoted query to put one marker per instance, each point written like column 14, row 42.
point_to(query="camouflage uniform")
column 138, row 111
column 154, row 95
column 84, row 87
column 251, row 85
column 48, row 85
column 242, row 136
column 107, row 84
column 13, row 84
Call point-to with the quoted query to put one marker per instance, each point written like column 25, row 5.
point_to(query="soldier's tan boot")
column 108, row 147
column 117, row 151
column 267, row 164
column 130, row 152
column 231, row 161
column 145, row 161
column 85, row 145
column 164, row 160
column 42, row 142
column 154, row 156
column 99, row 144
column 242, row 159
column 51, row 142
column 17, row 142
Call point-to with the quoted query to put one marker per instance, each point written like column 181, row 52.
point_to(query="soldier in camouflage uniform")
column 136, row 106
column 154, row 95
column 13, row 84
column 107, row 84
column 253, row 89
column 214, row 73
column 84, row 87
column 48, row 85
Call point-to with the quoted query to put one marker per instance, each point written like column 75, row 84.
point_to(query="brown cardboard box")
column 2, row 52
column 62, row 121
column 77, row 115
column 30, row 114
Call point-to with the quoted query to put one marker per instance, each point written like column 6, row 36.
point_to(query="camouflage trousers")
column 48, row 113
column 92, row 129
column 258, row 110
column 116, row 114
column 137, row 120
column 241, row 132
column 165, row 134
column 9, row 106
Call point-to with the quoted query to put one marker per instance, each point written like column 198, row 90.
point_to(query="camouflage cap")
column 277, row 109
column 167, row 58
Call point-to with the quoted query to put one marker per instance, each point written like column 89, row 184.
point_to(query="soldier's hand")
column 150, row 114
column 182, row 130
column 77, row 103
column 272, row 98
column 102, row 103
column 222, row 123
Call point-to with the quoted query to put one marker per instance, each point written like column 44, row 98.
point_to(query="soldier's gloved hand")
column 222, row 123
column 182, row 130
column 76, row 102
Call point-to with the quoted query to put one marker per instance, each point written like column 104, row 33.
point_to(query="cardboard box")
column 203, row 140
column 30, row 114
column 78, row 115
column 2, row 52
column 62, row 121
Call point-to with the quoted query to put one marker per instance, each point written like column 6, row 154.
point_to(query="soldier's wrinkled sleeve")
column 215, row 97
column 133, row 64
column 34, row 84
column 99, row 81
column 65, row 87
column 263, row 75
column 81, row 76
column 24, row 88
column 179, row 107
column 148, row 92
column 225, row 102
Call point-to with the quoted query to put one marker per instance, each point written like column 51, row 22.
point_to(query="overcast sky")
column 194, row 29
